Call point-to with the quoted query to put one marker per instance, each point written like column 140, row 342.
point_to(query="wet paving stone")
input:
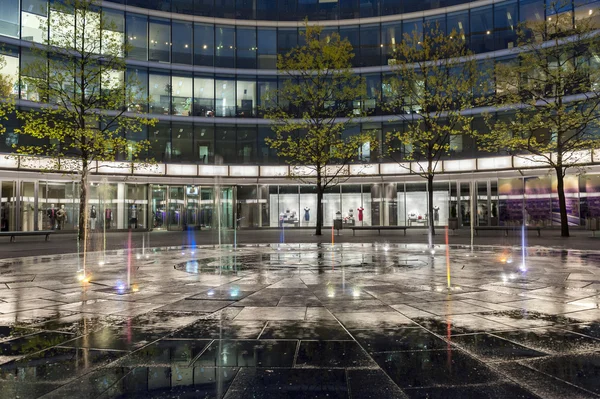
column 45, row 371
column 221, row 329
column 117, row 338
column 166, row 352
column 195, row 306
column 492, row 391
column 288, row 383
column 552, row 340
column 541, row 384
column 248, row 353
column 490, row 347
column 398, row 339
column 32, row 343
column 588, row 329
column 372, row 384
column 580, row 370
column 362, row 321
column 321, row 330
column 333, row 354
column 174, row 382
column 431, row 368
column 90, row 385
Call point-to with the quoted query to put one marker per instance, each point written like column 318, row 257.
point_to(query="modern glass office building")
column 206, row 64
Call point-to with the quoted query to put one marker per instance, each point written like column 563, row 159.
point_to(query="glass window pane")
column 160, row 142
column 137, row 36
column 204, row 7
column 458, row 22
column 370, row 48
column 138, row 77
column 225, row 97
column 181, row 96
column 225, row 145
column 224, row 43
column 482, row 26
column 505, row 25
column 204, row 143
column 204, row 45
column 182, row 43
column 204, row 96
column 246, row 98
column 246, row 47
column 391, row 35
column 160, row 40
column 246, row 144
column 265, row 85
column 159, row 92
column 9, row 18
column 287, row 39
column 267, row 48
column 183, row 143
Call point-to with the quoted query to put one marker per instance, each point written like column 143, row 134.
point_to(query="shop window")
column 181, row 95
column 160, row 92
column 225, row 98
column 182, row 43
column 9, row 18
column 204, row 45
column 246, row 98
column 159, row 47
column 246, row 47
column 137, row 36
column 267, row 48
column 136, row 201
column 248, row 207
column 204, row 94
column 204, row 143
column 224, row 44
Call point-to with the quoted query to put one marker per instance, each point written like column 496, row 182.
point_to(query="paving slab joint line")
column 532, row 389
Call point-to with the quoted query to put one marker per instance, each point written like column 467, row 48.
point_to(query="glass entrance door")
column 8, row 206
column 176, row 208
column 159, row 203
column 226, row 207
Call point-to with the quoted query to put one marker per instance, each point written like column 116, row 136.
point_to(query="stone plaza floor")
column 302, row 321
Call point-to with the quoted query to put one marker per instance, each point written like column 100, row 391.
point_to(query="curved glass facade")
column 205, row 68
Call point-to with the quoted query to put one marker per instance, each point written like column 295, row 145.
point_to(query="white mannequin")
column 93, row 216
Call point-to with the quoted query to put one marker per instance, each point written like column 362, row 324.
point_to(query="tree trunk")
column 562, row 202
column 319, row 208
column 430, row 215
column 82, row 207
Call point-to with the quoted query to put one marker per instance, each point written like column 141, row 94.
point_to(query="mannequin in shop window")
column 307, row 214
column 93, row 217
column 108, row 217
column 133, row 217
column 436, row 214
column 61, row 217
column 4, row 214
column 360, row 213
column 51, row 214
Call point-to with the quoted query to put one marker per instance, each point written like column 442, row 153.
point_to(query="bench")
column 378, row 228
column 506, row 229
column 14, row 234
